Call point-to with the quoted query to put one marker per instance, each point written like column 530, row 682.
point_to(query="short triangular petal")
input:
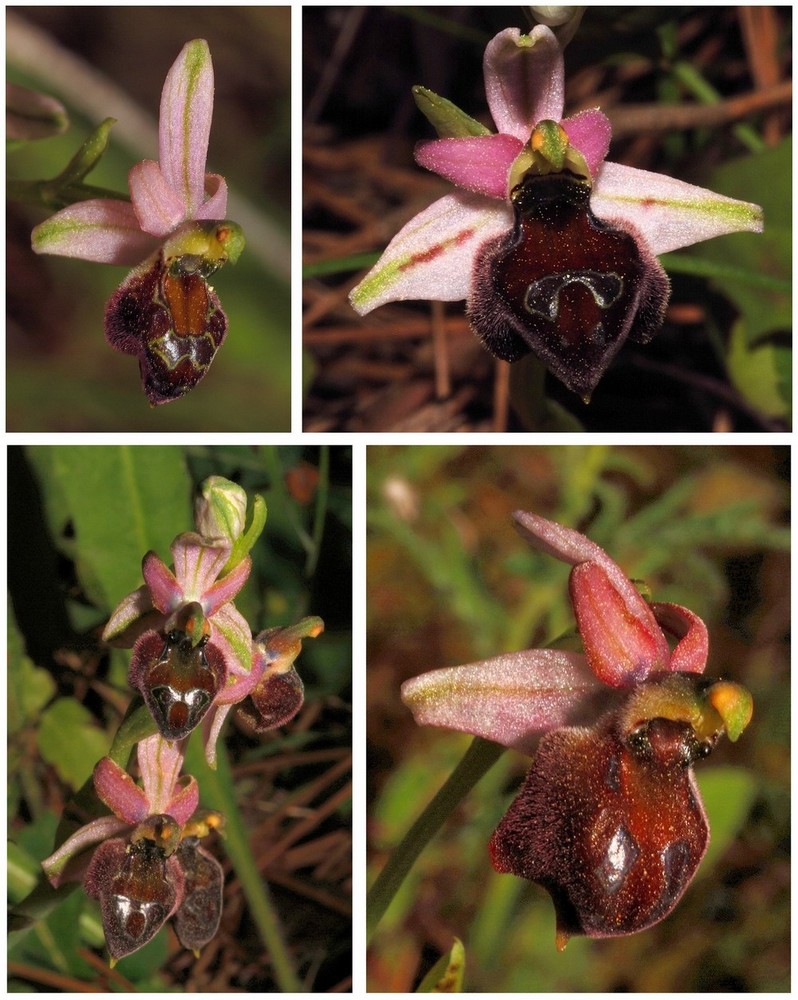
column 102, row 230
column 590, row 132
column 119, row 791
column 692, row 649
column 158, row 206
column 433, row 256
column 523, row 80
column 511, row 699
column 669, row 213
column 164, row 590
column 478, row 163
column 185, row 122
column 225, row 589
column 215, row 204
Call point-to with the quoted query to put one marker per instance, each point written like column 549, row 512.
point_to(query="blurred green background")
column 81, row 519
column 61, row 374
column 450, row 581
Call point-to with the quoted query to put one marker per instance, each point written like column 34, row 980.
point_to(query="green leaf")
column 762, row 371
column 728, row 794
column 764, row 178
column 446, row 976
column 69, row 740
column 121, row 501
column 29, row 687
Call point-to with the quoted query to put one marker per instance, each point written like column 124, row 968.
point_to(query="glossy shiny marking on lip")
column 563, row 284
column 170, row 317
column 178, row 680
column 609, row 822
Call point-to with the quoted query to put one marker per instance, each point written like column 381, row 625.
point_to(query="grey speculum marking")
column 622, row 852
column 543, row 296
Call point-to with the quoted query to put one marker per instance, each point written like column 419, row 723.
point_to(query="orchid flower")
column 273, row 686
column 194, row 657
column 553, row 247
column 146, row 864
column 164, row 313
column 609, row 819
column 187, row 634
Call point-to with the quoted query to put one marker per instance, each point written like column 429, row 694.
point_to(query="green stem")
column 217, row 793
column 320, row 512
column 50, row 194
column 477, row 761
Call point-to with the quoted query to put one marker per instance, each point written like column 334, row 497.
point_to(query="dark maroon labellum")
column 197, row 919
column 610, row 824
column 171, row 320
column 137, row 887
column 564, row 284
column 276, row 699
column 177, row 680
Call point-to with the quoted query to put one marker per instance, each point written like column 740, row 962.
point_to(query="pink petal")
column 185, row 123
column 432, row 257
column 185, row 800
column 478, row 163
column 523, row 80
column 102, row 230
column 590, row 132
column 623, row 642
column 119, row 792
column 510, row 699
column 215, row 204
column 158, row 206
column 198, row 563
column 669, row 213
column 692, row 649
column 224, row 590
column 164, row 589
column 571, row 547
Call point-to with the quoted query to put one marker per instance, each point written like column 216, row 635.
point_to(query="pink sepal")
column 159, row 207
column 511, row 699
column 65, row 865
column 623, row 642
column 524, row 80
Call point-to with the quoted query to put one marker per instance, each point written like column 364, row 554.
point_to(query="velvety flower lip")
column 513, row 699
column 164, row 194
column 433, row 256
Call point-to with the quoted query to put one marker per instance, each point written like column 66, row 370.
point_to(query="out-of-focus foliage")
column 81, row 518
column 450, row 581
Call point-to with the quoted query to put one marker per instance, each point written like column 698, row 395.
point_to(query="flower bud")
column 221, row 508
